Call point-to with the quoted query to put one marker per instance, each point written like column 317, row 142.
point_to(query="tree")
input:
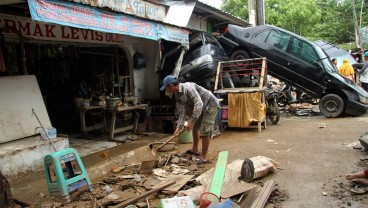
column 330, row 20
column 238, row 8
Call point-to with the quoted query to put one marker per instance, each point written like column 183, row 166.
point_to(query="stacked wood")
column 258, row 197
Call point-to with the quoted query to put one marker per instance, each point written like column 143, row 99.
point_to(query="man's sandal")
column 199, row 161
column 359, row 189
column 191, row 152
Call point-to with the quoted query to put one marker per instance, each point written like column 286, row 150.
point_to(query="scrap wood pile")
column 175, row 179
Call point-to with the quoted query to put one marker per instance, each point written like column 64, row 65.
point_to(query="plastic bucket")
column 186, row 136
column 208, row 198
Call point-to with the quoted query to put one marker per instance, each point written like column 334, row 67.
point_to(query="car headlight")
column 363, row 99
column 202, row 59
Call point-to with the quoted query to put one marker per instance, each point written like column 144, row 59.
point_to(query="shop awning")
column 86, row 17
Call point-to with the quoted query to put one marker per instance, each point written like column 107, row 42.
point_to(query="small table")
column 82, row 115
column 114, row 111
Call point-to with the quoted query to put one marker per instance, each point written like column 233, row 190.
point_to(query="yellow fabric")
column 346, row 69
column 245, row 108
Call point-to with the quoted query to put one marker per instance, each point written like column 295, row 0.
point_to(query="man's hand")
column 190, row 125
column 177, row 131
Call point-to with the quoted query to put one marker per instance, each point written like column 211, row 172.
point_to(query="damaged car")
column 300, row 63
column 198, row 63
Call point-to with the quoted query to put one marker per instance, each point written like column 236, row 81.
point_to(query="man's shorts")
column 206, row 121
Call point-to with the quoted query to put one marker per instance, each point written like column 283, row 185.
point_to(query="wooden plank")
column 219, row 173
column 263, row 195
column 249, row 197
column 217, row 75
column 263, row 70
column 181, row 180
column 236, row 90
column 145, row 194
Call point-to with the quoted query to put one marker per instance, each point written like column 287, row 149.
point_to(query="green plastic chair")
column 65, row 172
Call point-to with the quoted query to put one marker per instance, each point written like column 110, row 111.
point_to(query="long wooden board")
column 219, row 173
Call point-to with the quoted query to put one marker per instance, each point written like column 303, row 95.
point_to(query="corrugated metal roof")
column 217, row 17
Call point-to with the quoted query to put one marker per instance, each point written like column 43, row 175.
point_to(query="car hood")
column 347, row 83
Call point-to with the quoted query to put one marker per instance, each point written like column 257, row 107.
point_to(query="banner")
column 86, row 17
column 80, row 16
column 173, row 34
column 54, row 32
column 138, row 8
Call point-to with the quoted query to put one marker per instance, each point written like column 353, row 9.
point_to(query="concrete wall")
column 27, row 154
column 146, row 80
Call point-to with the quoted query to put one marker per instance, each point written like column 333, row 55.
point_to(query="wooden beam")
column 248, row 197
column 145, row 194
column 263, row 195
column 219, row 173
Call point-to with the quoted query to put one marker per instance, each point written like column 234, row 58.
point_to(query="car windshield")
column 325, row 60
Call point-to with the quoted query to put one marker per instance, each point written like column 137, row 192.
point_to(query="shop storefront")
column 77, row 51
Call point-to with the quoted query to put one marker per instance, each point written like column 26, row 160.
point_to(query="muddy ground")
column 313, row 160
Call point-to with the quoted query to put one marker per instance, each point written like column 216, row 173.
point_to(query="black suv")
column 199, row 63
column 300, row 63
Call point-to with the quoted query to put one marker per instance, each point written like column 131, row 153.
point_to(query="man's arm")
column 198, row 104
column 364, row 69
column 181, row 109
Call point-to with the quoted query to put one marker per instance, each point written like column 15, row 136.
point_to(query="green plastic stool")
column 65, row 172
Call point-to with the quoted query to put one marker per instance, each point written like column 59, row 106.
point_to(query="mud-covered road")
column 313, row 160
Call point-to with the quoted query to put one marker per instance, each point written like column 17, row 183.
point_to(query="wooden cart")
column 240, row 85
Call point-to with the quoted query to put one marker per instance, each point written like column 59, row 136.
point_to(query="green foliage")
column 238, row 8
column 330, row 20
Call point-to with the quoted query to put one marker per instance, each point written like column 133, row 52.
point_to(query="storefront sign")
column 173, row 34
column 80, row 16
column 134, row 7
column 85, row 17
column 42, row 31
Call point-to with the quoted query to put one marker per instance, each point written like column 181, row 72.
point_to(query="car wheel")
column 331, row 105
column 239, row 55
column 243, row 80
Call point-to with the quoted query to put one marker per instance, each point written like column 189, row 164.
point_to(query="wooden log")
column 145, row 194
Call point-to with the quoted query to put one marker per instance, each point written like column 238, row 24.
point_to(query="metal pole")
column 252, row 13
column 260, row 12
column 357, row 40
column 34, row 113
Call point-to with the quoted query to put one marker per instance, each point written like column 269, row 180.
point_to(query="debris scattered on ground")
column 156, row 181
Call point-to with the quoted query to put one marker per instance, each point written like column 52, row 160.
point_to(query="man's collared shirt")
column 193, row 100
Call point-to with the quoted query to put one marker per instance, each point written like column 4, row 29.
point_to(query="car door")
column 303, row 62
column 272, row 44
column 215, row 49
